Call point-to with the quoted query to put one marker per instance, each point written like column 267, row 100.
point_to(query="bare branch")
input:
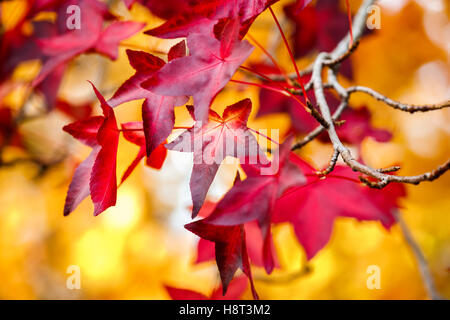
column 333, row 161
column 317, row 131
column 384, row 179
column 398, row 105
column 344, row 56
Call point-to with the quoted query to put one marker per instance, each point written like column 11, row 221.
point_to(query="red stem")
column 290, row 53
column 286, row 93
column 263, row 135
column 269, row 56
column 140, row 129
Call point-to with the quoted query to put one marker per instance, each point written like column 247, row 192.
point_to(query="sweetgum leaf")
column 254, row 198
column 203, row 73
column 212, row 142
column 313, row 208
column 91, row 37
column 230, row 250
column 235, row 290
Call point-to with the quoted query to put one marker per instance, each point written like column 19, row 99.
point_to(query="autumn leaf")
column 134, row 133
column 235, row 291
column 318, row 28
column 157, row 110
column 91, row 37
column 230, row 250
column 313, row 208
column 97, row 174
column 212, row 142
column 200, row 16
column 203, row 73
column 254, row 198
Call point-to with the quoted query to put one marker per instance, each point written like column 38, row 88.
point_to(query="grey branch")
column 398, row 105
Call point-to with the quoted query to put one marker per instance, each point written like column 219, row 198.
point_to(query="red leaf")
column 157, row 110
column 89, row 38
column 357, row 126
column 8, row 128
column 157, row 157
column 318, row 28
column 255, row 245
column 159, row 118
column 110, row 37
column 184, row 294
column 79, row 187
column 313, row 208
column 211, row 143
column 86, row 130
column 177, row 51
column 77, row 112
column 300, row 5
column 203, row 73
column 97, row 174
column 201, row 16
column 255, row 242
column 254, row 198
column 230, row 250
column 235, row 290
column 103, row 184
column 145, row 65
column 163, row 9
column 133, row 132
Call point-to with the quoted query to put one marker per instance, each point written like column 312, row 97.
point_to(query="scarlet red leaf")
column 200, row 16
column 255, row 245
column 77, row 112
column 230, row 250
column 203, row 73
column 318, row 28
column 313, row 208
column 79, row 187
column 103, row 182
column 91, row 37
column 157, row 110
column 235, row 291
column 254, row 198
column 86, row 130
column 97, row 174
column 177, row 51
column 211, row 143
column 134, row 132
column 255, row 242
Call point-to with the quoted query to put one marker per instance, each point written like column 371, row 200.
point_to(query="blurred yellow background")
column 132, row 250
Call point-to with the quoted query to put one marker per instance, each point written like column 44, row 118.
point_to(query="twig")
column 344, row 56
column 384, row 179
column 317, row 131
column 333, row 161
column 398, row 105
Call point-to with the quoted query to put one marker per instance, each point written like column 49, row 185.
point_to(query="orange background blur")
column 132, row 250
